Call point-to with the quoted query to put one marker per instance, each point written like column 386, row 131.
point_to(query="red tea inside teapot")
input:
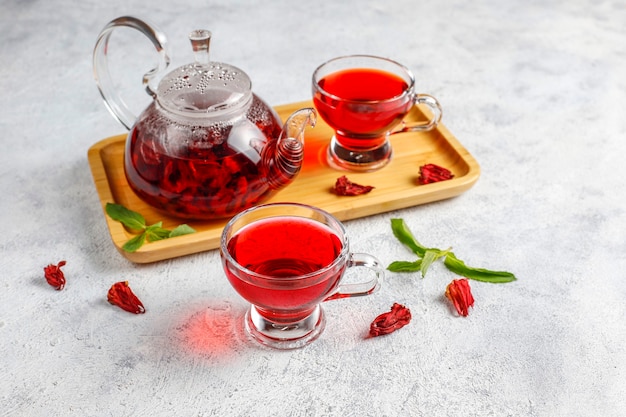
column 206, row 147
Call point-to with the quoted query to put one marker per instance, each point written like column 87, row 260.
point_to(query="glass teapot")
column 206, row 147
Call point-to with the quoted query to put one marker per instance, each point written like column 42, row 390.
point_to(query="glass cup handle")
column 435, row 108
column 361, row 288
column 111, row 97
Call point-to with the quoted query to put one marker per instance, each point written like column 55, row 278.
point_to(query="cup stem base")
column 285, row 336
column 366, row 160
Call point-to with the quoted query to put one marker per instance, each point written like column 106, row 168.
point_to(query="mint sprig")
column 136, row 222
column 429, row 255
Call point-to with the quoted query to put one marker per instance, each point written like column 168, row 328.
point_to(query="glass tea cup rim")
column 407, row 71
column 338, row 227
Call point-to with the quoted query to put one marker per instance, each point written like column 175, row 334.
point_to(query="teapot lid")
column 204, row 88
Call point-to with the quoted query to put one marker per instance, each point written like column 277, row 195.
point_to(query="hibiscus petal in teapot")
column 206, row 147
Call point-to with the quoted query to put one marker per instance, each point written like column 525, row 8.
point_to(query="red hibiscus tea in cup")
column 362, row 124
column 283, row 248
column 286, row 259
column 364, row 99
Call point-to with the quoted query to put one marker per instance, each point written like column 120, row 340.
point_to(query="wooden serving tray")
column 396, row 185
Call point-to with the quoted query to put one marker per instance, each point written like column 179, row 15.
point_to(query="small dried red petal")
column 343, row 186
column 430, row 173
column 460, row 293
column 389, row 322
column 122, row 296
column 55, row 276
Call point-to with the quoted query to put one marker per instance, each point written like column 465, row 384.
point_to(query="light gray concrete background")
column 535, row 90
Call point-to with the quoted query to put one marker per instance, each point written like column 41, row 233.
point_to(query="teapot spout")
column 286, row 160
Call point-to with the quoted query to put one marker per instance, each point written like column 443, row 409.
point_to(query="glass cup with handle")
column 365, row 99
column 286, row 259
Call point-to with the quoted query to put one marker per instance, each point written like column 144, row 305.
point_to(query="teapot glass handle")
column 114, row 103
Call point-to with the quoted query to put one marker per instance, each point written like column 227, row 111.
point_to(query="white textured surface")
column 536, row 91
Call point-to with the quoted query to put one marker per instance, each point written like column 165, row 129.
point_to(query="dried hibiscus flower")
column 343, row 186
column 459, row 292
column 430, row 173
column 122, row 296
column 55, row 276
column 389, row 322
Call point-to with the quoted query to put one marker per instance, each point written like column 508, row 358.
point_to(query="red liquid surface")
column 284, row 248
column 195, row 171
column 354, row 118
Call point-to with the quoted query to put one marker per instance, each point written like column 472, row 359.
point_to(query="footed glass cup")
column 286, row 259
column 364, row 99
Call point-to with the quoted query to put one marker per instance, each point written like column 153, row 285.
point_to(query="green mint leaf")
column 405, row 266
column 135, row 243
column 479, row 274
column 430, row 256
column 157, row 232
column 137, row 222
column 181, row 230
column 128, row 218
column 404, row 235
